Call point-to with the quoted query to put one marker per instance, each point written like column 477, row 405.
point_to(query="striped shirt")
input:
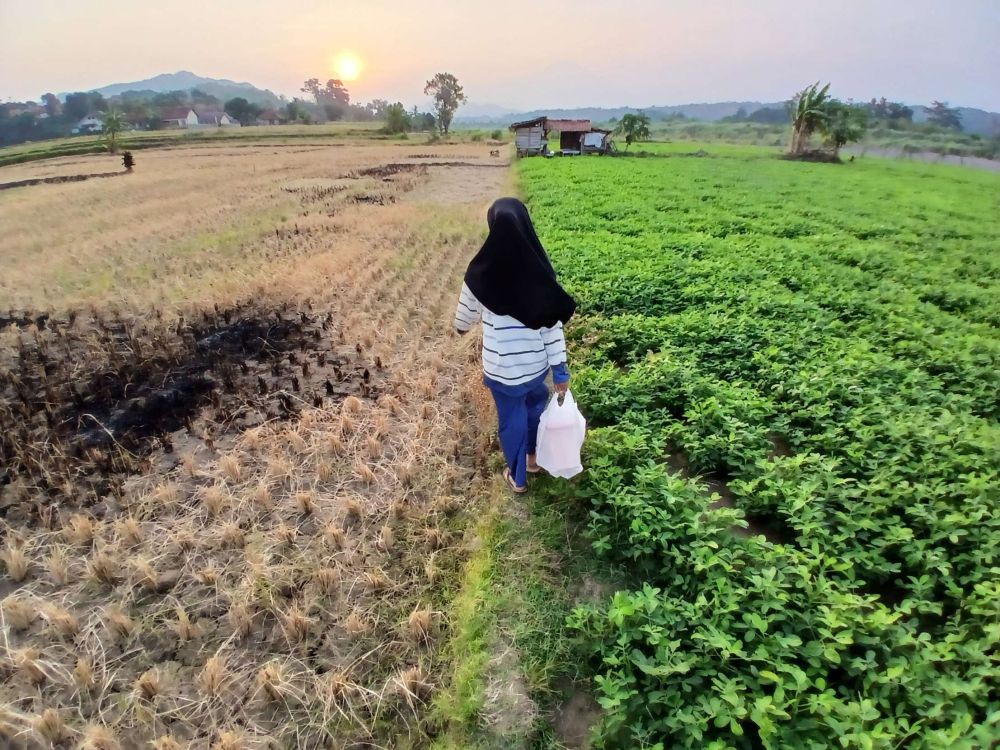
column 512, row 352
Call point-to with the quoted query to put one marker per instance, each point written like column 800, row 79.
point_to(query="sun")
column 347, row 66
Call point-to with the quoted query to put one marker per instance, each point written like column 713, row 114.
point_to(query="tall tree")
column 52, row 105
column 332, row 98
column 377, row 108
column 396, row 118
column 241, row 110
column 297, row 111
column 97, row 102
column 332, row 92
column 891, row 112
column 114, row 123
column 77, row 105
column 635, row 127
column 336, row 91
column 808, row 113
column 947, row 117
column 448, row 97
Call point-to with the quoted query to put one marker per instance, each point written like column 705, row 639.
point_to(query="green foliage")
column 843, row 124
column 814, row 110
column 824, row 345
column 80, row 104
column 634, row 128
column 448, row 96
column 241, row 110
column 894, row 114
column 170, row 99
column 333, row 92
column 944, row 116
column 297, row 111
column 397, row 120
column 896, row 138
column 505, row 619
column 808, row 114
column 496, row 135
column 113, row 123
column 200, row 98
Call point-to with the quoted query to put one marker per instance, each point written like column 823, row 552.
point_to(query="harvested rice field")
column 238, row 444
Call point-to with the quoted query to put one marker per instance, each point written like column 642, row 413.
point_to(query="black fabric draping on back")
column 512, row 275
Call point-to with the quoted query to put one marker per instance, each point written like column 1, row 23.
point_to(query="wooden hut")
column 532, row 136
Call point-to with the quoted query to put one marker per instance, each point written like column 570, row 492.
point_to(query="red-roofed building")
column 178, row 117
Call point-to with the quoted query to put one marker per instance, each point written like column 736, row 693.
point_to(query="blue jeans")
column 518, row 409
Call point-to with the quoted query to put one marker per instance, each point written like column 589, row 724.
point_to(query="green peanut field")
column 792, row 377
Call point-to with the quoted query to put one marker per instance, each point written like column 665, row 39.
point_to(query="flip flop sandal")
column 510, row 483
column 536, row 470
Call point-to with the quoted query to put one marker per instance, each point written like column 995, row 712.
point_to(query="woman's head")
column 512, row 275
column 507, row 208
column 511, row 228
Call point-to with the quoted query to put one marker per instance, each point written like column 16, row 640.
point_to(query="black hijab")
column 511, row 274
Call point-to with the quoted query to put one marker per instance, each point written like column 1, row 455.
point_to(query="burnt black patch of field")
column 84, row 403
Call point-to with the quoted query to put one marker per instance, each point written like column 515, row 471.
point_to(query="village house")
column 214, row 118
column 93, row 123
column 178, row 117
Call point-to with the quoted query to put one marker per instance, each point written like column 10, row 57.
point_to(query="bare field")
column 240, row 447
column 192, row 224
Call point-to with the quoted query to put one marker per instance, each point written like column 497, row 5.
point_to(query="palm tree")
column 114, row 123
column 809, row 112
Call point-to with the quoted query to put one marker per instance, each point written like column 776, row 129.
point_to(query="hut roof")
column 563, row 126
column 569, row 126
column 528, row 123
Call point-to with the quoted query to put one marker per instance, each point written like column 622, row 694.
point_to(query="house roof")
column 210, row 116
column 174, row 113
column 563, row 126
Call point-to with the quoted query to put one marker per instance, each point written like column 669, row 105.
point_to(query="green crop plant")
column 819, row 344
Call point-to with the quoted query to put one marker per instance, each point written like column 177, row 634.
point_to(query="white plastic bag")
column 560, row 437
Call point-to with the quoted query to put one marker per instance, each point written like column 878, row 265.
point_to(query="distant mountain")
column 709, row 111
column 184, row 80
column 483, row 111
column 974, row 121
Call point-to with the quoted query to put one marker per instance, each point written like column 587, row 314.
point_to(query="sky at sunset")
column 518, row 54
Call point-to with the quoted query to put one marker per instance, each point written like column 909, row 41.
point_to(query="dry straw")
column 51, row 727
column 16, row 562
column 248, row 542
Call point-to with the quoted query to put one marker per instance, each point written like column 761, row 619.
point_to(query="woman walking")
column 511, row 286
